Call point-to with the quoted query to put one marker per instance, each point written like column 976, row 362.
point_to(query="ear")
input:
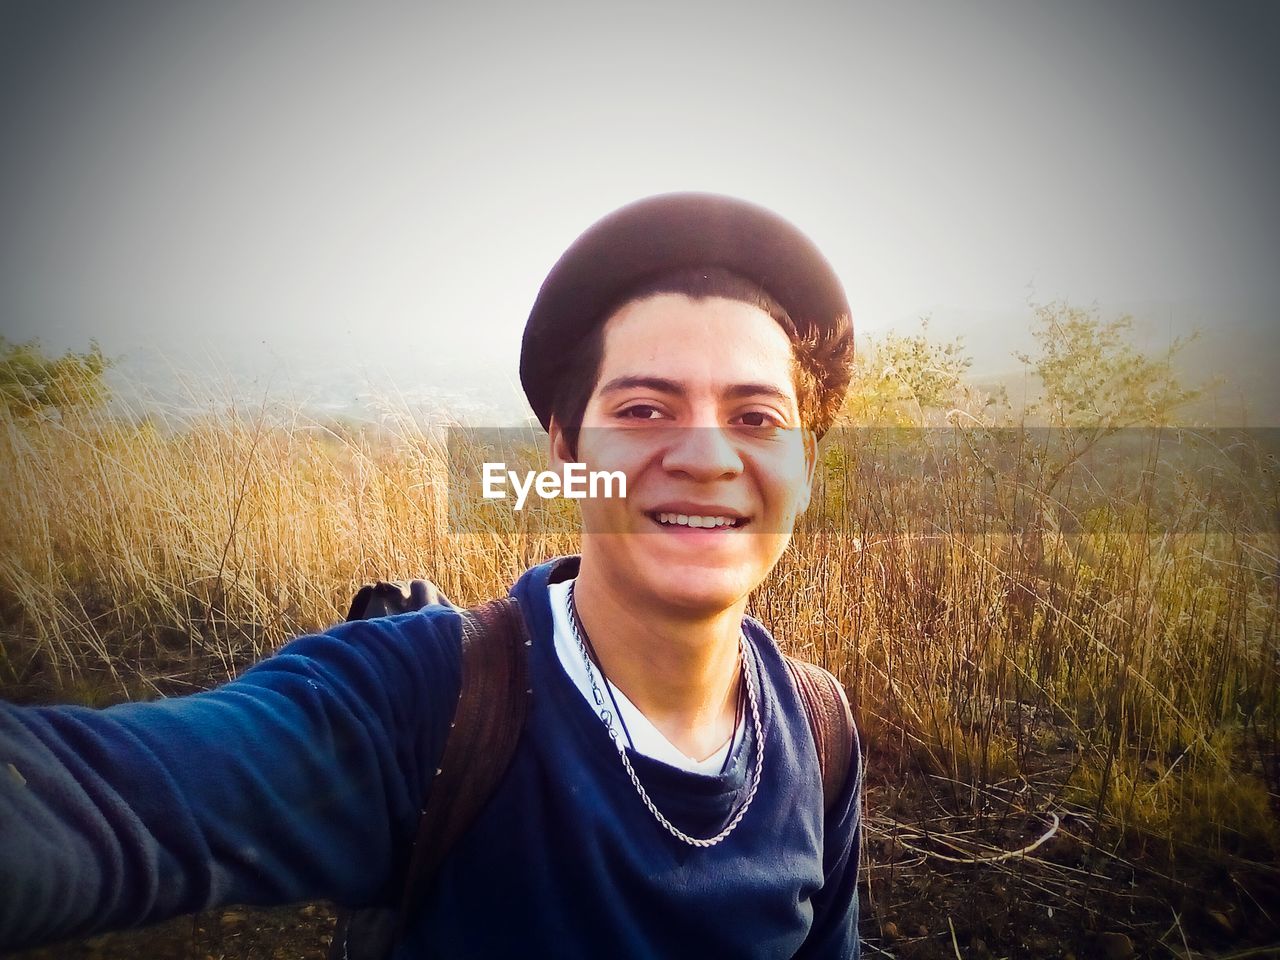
column 559, row 446
column 810, row 441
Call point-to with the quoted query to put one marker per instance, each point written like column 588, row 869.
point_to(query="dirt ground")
column 1066, row 899
column 938, row 882
column 908, row 913
column 281, row 933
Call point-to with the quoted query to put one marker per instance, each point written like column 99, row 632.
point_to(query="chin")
column 700, row 593
column 702, row 572
column 696, row 585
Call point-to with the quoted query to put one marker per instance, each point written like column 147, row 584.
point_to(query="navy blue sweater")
column 303, row 779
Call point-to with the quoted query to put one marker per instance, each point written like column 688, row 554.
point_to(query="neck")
column 680, row 670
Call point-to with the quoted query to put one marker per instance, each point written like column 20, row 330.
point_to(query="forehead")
column 712, row 340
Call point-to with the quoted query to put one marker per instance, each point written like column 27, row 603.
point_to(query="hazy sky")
column 294, row 175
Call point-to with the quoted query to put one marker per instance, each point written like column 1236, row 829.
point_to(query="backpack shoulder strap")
column 492, row 705
column 493, row 701
column 830, row 722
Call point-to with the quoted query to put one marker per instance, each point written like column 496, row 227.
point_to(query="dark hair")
column 817, row 356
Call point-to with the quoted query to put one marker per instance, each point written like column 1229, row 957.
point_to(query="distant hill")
column 321, row 382
column 361, row 378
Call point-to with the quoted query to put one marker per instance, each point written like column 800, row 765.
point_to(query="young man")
column 664, row 798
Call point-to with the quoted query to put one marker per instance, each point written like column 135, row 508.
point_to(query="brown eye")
column 757, row 419
column 640, row 411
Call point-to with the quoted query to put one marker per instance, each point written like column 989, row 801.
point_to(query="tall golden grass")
column 1123, row 673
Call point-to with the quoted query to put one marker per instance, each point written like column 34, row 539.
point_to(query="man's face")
column 695, row 402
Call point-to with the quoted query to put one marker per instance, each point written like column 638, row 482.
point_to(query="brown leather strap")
column 492, row 705
column 830, row 721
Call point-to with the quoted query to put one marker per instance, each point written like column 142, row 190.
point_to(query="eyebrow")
column 737, row 391
column 741, row 391
column 659, row 384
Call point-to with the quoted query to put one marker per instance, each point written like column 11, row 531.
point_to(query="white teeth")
column 684, row 520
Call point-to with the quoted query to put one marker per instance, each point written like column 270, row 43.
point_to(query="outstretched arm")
column 302, row 779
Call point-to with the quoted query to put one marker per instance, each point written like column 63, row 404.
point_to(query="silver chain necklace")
column 606, row 716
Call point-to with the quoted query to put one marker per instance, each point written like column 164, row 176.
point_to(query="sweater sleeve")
column 834, row 932
column 302, row 779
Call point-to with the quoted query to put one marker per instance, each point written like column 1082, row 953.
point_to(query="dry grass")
column 1130, row 676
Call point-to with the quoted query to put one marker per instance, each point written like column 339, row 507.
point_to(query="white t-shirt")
column 645, row 737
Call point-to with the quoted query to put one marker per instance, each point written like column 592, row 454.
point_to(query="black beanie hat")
column 662, row 233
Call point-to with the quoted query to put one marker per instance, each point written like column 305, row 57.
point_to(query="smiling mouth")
column 685, row 521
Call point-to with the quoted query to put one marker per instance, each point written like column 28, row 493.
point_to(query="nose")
column 701, row 453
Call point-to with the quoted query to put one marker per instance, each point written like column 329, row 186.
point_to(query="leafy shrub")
column 33, row 384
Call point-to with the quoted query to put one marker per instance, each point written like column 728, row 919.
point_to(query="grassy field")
column 1065, row 675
